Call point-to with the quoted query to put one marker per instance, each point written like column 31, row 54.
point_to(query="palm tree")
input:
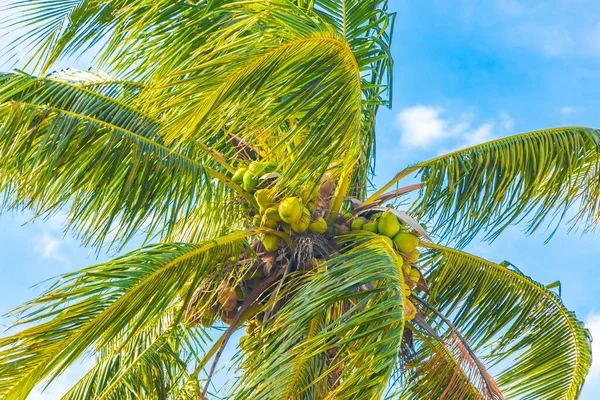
column 238, row 137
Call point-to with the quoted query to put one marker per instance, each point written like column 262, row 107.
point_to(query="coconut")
column 290, row 210
column 410, row 311
column 252, row 326
column 271, row 242
column 415, row 275
column 413, row 256
column 388, row 241
column 406, row 290
column 239, row 293
column 406, row 267
column 256, row 220
column 227, row 297
column 370, row 227
column 250, row 181
column 273, row 214
column 268, row 223
column 238, row 177
column 208, row 318
column 263, row 198
column 319, row 226
column 388, row 224
column 406, row 242
column 304, row 222
column 227, row 316
column 358, row 223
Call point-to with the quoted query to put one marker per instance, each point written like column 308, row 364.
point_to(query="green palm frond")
column 104, row 304
column 517, row 326
column 153, row 362
column 68, row 145
column 154, row 37
column 488, row 187
column 340, row 329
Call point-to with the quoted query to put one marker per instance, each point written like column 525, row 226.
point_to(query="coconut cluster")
column 295, row 236
column 396, row 234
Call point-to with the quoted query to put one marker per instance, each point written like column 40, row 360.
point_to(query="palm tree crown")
column 238, row 137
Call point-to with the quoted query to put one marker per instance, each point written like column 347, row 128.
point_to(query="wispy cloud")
column 424, row 126
column 49, row 246
column 568, row 110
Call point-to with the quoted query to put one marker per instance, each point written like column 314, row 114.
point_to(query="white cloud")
column 507, row 122
column 483, row 134
column 593, row 325
column 422, row 125
column 568, row 110
column 425, row 126
column 49, row 246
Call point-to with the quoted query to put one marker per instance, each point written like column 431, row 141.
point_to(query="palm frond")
column 339, row 332
column 71, row 145
column 488, row 187
column 127, row 32
column 443, row 368
column 153, row 363
column 517, row 326
column 104, row 304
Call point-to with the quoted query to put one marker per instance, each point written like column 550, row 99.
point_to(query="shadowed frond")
column 339, row 333
column 443, row 368
column 103, row 305
column 153, row 363
column 491, row 186
column 514, row 324
column 71, row 145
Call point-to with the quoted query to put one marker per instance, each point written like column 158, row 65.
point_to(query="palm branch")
column 239, row 138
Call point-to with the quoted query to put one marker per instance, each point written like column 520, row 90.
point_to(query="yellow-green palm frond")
column 534, row 177
column 535, row 347
column 85, row 146
column 152, row 362
column 339, row 331
column 152, row 36
column 105, row 306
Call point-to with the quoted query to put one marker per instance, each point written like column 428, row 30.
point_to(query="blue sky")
column 465, row 72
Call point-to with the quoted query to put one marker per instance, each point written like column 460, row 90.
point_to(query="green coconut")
column 406, row 242
column 273, row 214
column 415, row 275
column 263, row 198
column 290, row 210
column 303, row 223
column 388, row 241
column 370, row 227
column 388, row 224
column 250, row 181
column 271, row 242
column 318, row 226
column 266, row 222
column 357, row 224
column 256, row 220
column 238, row 177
